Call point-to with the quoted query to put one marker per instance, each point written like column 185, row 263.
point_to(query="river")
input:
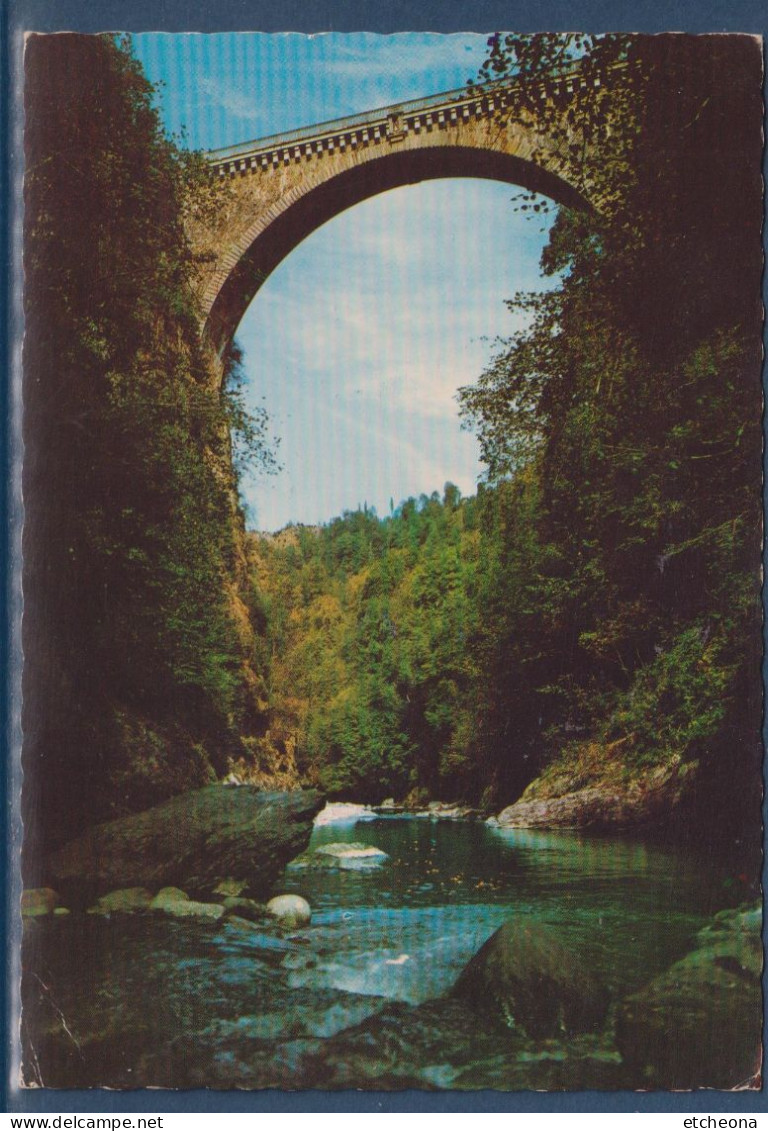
column 356, row 999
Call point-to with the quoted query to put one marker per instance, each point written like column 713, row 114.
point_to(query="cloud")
column 415, row 56
column 361, row 338
column 231, row 88
column 234, row 102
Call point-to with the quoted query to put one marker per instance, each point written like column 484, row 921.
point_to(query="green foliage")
column 676, row 703
column 370, row 621
column 252, row 446
column 628, row 414
column 132, row 547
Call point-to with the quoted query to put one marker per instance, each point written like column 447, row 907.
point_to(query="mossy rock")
column 526, row 979
column 123, row 901
column 38, row 901
column 192, row 909
column 167, row 895
column 699, row 1025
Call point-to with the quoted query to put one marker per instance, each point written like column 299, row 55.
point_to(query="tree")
column 630, row 408
column 139, row 673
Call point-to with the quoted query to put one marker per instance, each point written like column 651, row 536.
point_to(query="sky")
column 357, row 342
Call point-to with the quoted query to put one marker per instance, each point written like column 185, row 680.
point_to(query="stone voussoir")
column 276, row 190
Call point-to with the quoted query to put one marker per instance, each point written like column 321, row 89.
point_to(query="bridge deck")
column 386, row 121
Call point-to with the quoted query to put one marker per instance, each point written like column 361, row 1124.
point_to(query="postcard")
column 392, row 541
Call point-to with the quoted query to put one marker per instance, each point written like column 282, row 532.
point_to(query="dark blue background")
column 316, row 16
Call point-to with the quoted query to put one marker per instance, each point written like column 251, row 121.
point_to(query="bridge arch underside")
column 352, row 186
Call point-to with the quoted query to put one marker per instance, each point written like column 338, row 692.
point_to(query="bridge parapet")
column 386, row 124
column 275, row 191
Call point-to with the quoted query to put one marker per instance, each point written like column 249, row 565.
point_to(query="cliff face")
column 596, row 791
column 712, row 801
column 142, row 669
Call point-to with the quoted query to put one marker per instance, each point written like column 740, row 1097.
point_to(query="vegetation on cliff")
column 139, row 672
column 370, row 624
column 603, row 592
column 599, row 594
column 625, row 423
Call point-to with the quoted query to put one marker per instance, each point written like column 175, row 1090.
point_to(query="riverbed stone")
column 194, row 841
column 291, row 911
column 245, row 908
column 443, row 811
column 167, row 895
column 230, row 888
column 341, row 854
column 699, row 1024
column 123, row 901
column 529, row 981
column 192, row 909
column 38, row 901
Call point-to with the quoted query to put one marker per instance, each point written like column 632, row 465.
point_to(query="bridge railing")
column 392, row 122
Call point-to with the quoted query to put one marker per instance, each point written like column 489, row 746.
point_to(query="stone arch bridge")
column 276, row 191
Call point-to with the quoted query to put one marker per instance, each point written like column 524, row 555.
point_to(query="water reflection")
column 246, row 1006
column 629, row 907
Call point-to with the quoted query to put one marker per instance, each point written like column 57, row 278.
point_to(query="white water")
column 343, row 813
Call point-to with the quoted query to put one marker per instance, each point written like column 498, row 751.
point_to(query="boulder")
column 291, row 911
column 38, row 901
column 124, row 901
column 593, row 791
column 699, row 1024
column 526, row 978
column 194, row 841
column 166, row 896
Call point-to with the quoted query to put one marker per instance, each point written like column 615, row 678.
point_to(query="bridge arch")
column 277, row 192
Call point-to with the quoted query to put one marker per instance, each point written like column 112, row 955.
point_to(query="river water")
column 357, row 998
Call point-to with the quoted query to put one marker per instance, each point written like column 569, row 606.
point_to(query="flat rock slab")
column 192, row 842
column 346, row 850
column 351, row 855
column 191, row 909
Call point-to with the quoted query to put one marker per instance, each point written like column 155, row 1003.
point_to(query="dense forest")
column 595, row 606
column 139, row 674
column 370, row 625
column 594, row 612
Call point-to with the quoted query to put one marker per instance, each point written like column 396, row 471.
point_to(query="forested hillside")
column 590, row 620
column 626, row 423
column 371, row 626
column 138, row 645
column 594, row 614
